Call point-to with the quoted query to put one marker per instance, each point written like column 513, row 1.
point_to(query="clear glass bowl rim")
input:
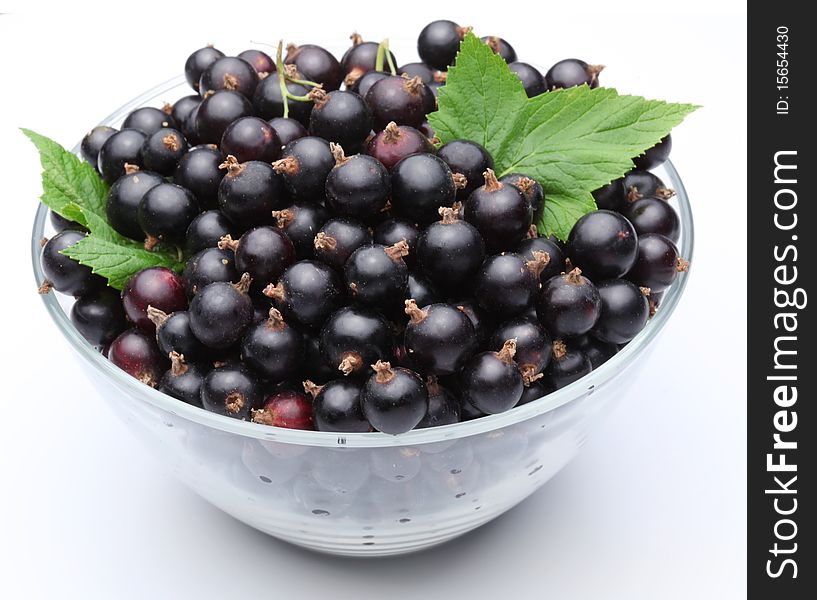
column 141, row 392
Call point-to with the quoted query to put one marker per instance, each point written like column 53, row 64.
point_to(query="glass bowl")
column 365, row 494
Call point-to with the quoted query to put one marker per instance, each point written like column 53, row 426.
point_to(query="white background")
column 654, row 507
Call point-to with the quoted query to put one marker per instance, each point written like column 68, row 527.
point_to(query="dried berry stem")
column 276, row 292
column 287, row 166
column 681, row 265
column 325, row 242
column 312, row 388
column 492, row 184
column 559, row 350
column 415, row 313
column 540, row 261
column 275, row 322
column 283, row 217
column 460, row 180
column 177, row 365
column 529, row 374
column 384, row 372
column 574, row 276
column 228, row 243
column 232, row 165
column 157, row 316
column 392, row 133
column 243, row 284
column 234, row 402
column 397, row 251
column 449, row 215
column 350, row 363
column 338, row 154
column 508, row 351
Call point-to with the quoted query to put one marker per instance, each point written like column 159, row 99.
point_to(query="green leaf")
column 571, row 141
column 71, row 186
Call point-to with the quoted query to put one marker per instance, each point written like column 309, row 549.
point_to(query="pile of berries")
column 343, row 272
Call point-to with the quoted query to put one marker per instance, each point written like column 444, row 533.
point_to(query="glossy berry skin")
column 64, row 274
column 501, row 47
column 505, row 285
column 535, row 390
column 231, row 391
column 569, row 305
column 198, row 62
column 397, row 99
column 567, row 365
column 366, row 81
column 376, row 275
column 533, row 344
column 355, row 337
column 603, row 244
column 199, row 172
column 491, row 382
column 220, row 313
column 655, row 156
column 173, row 334
column 251, row 138
column 391, row 231
column 287, row 130
column 417, row 69
column 421, row 184
column 443, row 407
column 315, row 366
column 316, row 64
column 338, row 239
column 308, row 292
column 190, row 126
column 421, row 290
column 570, row 73
column 273, row 349
column 229, row 73
column 396, row 142
column 596, row 351
column 439, row 42
column 135, row 352
column 624, row 311
column 184, row 385
column 643, row 184
column 439, row 338
column 158, row 287
column 288, row 409
column 99, row 316
column 183, row 107
column 469, row 159
column 450, row 251
column 166, row 211
column 264, row 252
column 530, row 188
column 651, row 215
column 122, row 202
column 358, row 186
column 260, row 61
column 337, row 407
column 149, row 120
column 93, row 142
column 500, row 212
column 249, row 193
column 341, row 117
column 556, row 264
column 532, row 80
column 206, row 230
column 301, row 223
column 208, row 266
column 60, row 223
column 394, row 399
column 305, row 164
column 610, row 196
column 122, row 147
column 162, row 151
column 656, row 264
column 217, row 111
column 481, row 322
column 359, row 60
column 268, row 103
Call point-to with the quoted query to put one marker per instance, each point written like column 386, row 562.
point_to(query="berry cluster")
column 344, row 271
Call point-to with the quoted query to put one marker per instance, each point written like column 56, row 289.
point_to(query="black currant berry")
column 470, row 160
column 655, row 156
column 288, row 130
column 529, row 187
column 316, row 64
column 231, row 391
column 308, row 292
column 336, row 406
column 532, row 80
column 367, row 80
column 556, row 263
column 315, row 366
column 260, row 61
column 286, row 408
column 62, row 273
column 443, row 406
column 221, row 312
column 610, row 196
column 273, row 349
column 421, row 290
column 439, row 338
column 249, row 192
column 136, row 353
column 377, row 275
column 263, row 252
column 501, row 47
column 183, row 381
column 355, row 337
column 357, row 186
column 572, row 72
column 190, row 126
column 198, row 62
column 165, row 212
column 417, row 69
column 60, row 223
column 624, row 311
column 603, row 244
column 640, row 184
column 566, row 366
column 93, row 142
column 162, row 151
column 182, row 108
column 123, row 147
column 651, row 215
column 301, row 223
column 396, row 142
column 229, row 73
column 533, row 345
column 208, row 266
column 341, row 117
column 122, row 203
column 421, row 184
column 338, row 239
column 479, row 319
column 506, row 284
column 173, row 334
column 360, row 59
column 149, row 120
column 305, row 163
column 491, row 381
column 394, row 399
column 251, row 138
column 450, row 251
column 439, row 43
column 199, row 172
column 99, row 316
column 268, row 102
column 500, row 212
column 206, row 230
column 217, row 111
column 657, row 263
column 158, row 287
column 569, row 304
column 597, row 351
column 398, row 99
